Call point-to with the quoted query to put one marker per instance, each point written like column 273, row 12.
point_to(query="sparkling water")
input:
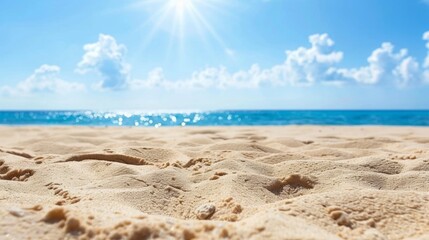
column 215, row 118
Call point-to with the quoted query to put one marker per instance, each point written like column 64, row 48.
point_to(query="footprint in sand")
column 67, row 198
column 6, row 173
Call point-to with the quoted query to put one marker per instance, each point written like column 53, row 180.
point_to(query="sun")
column 179, row 11
column 182, row 19
column 181, row 6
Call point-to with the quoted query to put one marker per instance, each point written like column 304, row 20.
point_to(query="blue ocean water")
column 215, row 118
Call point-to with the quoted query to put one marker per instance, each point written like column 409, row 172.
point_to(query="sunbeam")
column 181, row 19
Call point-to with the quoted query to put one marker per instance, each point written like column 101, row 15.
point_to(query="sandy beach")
column 214, row 183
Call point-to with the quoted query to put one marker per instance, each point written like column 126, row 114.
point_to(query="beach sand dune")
column 211, row 183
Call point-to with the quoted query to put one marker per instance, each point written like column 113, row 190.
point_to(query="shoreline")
column 220, row 127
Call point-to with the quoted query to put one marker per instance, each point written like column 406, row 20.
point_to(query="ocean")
column 217, row 118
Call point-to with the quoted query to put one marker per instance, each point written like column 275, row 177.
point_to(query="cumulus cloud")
column 106, row 57
column 426, row 63
column 308, row 65
column 44, row 79
column 220, row 77
column 406, row 72
column 214, row 77
column 426, row 38
column 385, row 65
column 155, row 79
column 303, row 66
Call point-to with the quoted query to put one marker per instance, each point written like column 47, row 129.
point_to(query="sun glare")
column 180, row 6
column 182, row 18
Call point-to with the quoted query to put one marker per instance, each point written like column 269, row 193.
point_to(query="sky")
column 214, row 54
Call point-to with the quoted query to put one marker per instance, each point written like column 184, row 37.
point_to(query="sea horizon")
column 164, row 118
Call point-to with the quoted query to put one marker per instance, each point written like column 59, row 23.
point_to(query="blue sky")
column 214, row 54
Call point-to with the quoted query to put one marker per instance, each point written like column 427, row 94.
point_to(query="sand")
column 214, row 183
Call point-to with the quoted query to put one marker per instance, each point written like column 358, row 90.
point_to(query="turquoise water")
column 215, row 118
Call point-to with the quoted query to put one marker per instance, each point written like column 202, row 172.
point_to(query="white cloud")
column 426, row 76
column 303, row 66
column 155, row 79
column 221, row 78
column 308, row 65
column 385, row 65
column 406, row 72
column 44, row 79
column 426, row 63
column 214, row 77
column 426, row 38
column 106, row 57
